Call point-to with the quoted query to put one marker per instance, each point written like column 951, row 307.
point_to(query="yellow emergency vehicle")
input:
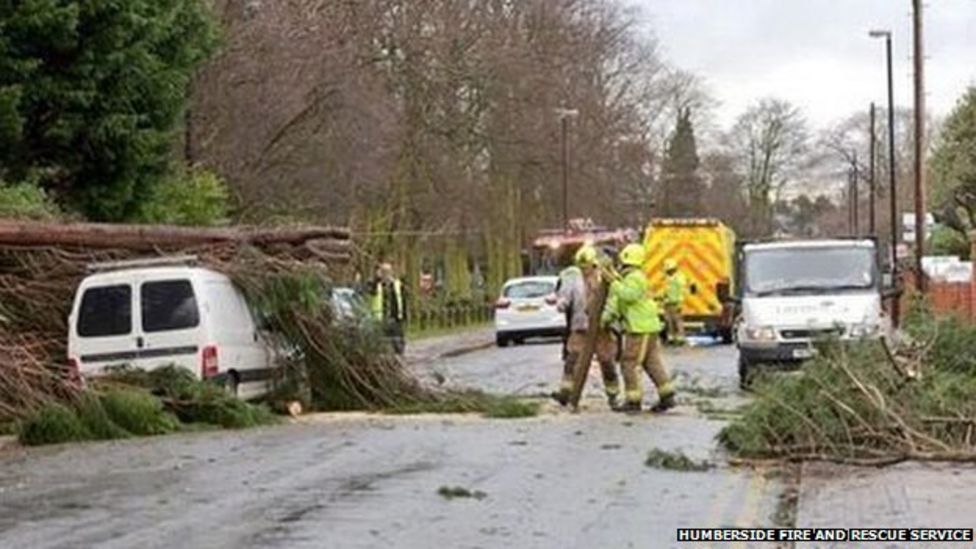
column 703, row 249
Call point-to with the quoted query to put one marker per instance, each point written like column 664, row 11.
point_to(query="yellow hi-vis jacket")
column 379, row 305
column 630, row 300
column 674, row 292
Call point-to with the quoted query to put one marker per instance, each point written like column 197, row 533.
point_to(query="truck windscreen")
column 799, row 270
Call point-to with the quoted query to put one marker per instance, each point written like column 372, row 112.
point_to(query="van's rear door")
column 103, row 329
column 169, row 323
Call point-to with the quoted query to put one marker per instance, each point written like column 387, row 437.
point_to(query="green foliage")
column 138, row 412
column 53, row 424
column 953, row 166
column 470, row 401
column 91, row 92
column 682, row 186
column 26, row 201
column 852, row 402
column 946, row 241
column 194, row 401
column 455, row 492
column 674, row 461
column 93, row 415
column 198, row 197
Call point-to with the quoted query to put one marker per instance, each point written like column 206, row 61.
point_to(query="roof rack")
column 179, row 260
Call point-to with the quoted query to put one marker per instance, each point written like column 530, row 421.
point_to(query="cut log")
column 585, row 360
column 154, row 237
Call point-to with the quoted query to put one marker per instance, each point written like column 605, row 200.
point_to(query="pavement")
column 357, row 480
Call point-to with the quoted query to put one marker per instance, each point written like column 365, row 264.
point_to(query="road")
column 354, row 480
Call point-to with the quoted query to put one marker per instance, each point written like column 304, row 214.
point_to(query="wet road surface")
column 561, row 479
column 354, row 480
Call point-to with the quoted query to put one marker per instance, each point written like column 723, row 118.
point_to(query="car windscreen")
column 105, row 311
column 168, row 305
column 797, row 270
column 529, row 289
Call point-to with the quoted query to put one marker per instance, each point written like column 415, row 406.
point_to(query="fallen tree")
column 102, row 236
column 869, row 405
column 286, row 274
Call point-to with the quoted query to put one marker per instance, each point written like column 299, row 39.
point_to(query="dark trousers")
column 393, row 330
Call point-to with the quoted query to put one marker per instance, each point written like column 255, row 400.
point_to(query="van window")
column 105, row 311
column 168, row 305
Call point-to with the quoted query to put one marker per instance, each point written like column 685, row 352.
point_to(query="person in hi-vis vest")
column 389, row 305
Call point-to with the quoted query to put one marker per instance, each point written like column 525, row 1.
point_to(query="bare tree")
column 770, row 142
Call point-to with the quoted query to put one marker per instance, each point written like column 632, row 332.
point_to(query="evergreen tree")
column 681, row 193
column 90, row 94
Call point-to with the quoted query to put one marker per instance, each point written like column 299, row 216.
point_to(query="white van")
column 153, row 313
column 793, row 293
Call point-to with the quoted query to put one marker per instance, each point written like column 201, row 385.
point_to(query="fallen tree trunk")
column 154, row 237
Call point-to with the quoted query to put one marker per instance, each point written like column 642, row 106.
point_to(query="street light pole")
column 892, row 186
column 564, row 116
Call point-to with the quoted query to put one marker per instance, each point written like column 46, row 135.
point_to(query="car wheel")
column 726, row 335
column 501, row 340
column 520, row 341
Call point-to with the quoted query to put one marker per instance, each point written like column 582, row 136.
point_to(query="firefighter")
column 674, row 300
column 587, row 277
column 389, row 305
column 631, row 303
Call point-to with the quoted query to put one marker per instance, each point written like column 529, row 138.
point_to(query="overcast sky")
column 815, row 53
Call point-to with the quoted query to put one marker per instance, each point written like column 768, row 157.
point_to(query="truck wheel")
column 745, row 373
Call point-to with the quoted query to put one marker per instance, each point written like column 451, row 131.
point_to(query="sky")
column 814, row 53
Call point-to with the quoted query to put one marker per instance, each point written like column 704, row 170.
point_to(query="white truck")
column 792, row 293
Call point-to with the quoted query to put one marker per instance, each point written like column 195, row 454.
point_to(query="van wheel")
column 232, row 384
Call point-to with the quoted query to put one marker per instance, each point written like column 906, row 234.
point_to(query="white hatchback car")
column 527, row 308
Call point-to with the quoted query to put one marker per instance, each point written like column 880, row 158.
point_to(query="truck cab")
column 797, row 292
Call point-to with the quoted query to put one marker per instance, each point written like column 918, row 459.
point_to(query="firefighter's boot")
column 665, row 403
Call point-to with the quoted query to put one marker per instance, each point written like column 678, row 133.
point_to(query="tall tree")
column 770, row 141
column 953, row 166
column 681, row 186
column 91, row 92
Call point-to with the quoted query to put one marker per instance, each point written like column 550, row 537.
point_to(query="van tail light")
column 503, row 303
column 208, row 362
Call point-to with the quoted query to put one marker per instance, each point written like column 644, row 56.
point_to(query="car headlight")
column 762, row 333
column 861, row 331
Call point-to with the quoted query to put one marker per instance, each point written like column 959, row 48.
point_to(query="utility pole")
column 872, row 174
column 919, row 62
column 855, row 195
column 564, row 116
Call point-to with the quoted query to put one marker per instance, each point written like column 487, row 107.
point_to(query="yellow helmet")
column 670, row 265
column 632, row 255
column 586, row 255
